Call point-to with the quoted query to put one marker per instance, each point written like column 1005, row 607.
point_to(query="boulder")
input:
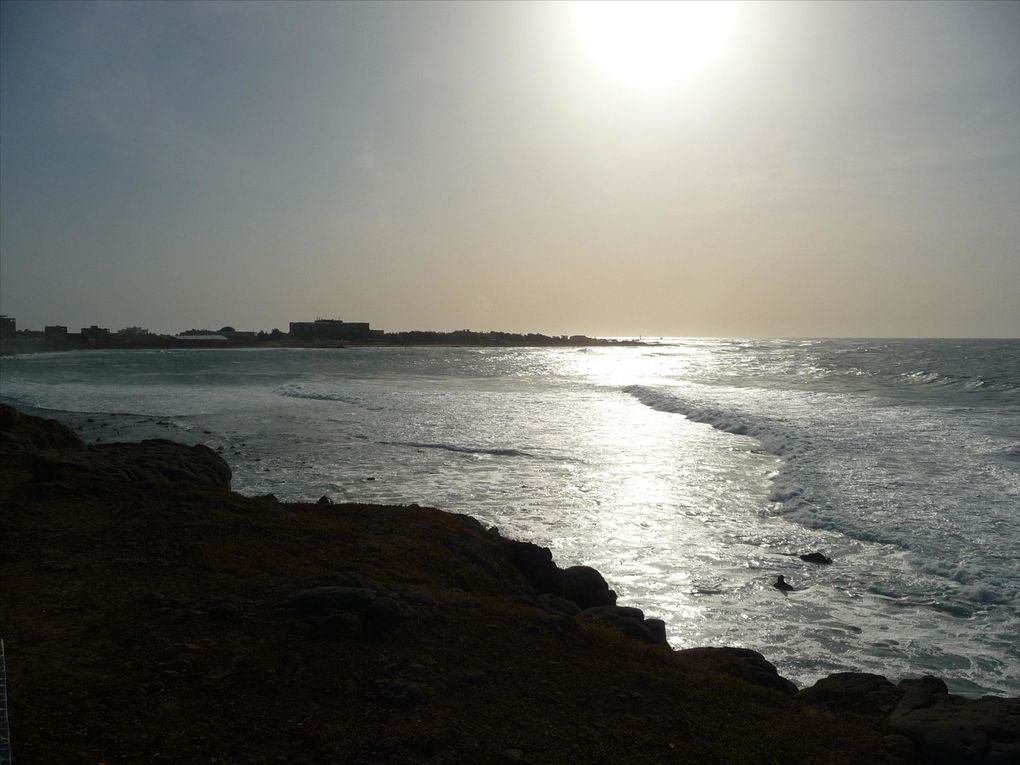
column 816, row 557
column 536, row 566
column 586, row 587
column 945, row 728
column 857, row 692
column 741, row 663
column 630, row 622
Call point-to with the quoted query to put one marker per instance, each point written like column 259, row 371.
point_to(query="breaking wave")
column 461, row 449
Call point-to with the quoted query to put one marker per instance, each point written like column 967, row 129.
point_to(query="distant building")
column 8, row 326
column 94, row 334
column 55, row 334
column 332, row 329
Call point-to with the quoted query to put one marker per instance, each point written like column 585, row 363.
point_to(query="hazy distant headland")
column 321, row 333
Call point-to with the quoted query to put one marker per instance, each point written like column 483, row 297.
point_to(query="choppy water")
column 687, row 472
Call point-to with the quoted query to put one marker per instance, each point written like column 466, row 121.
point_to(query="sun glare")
column 653, row 45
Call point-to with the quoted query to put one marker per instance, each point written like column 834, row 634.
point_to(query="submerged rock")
column 816, row 557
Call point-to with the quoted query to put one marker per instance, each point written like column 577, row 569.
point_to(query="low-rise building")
column 331, row 329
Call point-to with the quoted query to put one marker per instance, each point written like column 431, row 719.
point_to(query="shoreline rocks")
column 279, row 619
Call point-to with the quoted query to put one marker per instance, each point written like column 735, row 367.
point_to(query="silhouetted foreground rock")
column 922, row 716
column 151, row 615
column 52, row 452
column 741, row 663
column 19, row 432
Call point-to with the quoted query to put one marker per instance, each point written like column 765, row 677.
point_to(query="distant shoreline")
column 459, row 339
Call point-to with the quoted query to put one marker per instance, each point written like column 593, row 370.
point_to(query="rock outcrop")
column 53, row 453
column 923, row 719
column 741, row 663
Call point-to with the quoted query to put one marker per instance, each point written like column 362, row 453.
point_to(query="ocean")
column 690, row 472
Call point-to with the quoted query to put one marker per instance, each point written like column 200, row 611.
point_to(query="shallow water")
column 690, row 473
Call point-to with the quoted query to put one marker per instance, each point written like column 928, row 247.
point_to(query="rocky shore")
column 152, row 615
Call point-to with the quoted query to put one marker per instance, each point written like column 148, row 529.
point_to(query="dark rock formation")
column 858, row 692
column 951, row 729
column 924, row 719
column 53, row 453
column 741, row 663
column 630, row 621
column 153, row 461
column 586, row 587
column 816, row 557
column 19, row 432
column 536, row 566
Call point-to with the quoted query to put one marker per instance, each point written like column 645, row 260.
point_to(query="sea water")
column 690, row 472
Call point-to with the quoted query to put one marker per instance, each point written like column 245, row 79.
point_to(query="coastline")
column 149, row 609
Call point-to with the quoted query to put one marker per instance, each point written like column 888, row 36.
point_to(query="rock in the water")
column 741, row 663
column 816, row 557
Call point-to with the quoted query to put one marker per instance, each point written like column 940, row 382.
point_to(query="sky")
column 745, row 169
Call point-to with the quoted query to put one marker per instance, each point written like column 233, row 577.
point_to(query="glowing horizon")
column 742, row 169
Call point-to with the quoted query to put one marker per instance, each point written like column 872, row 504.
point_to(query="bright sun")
column 653, row 45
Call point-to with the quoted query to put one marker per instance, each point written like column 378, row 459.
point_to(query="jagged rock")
column 586, row 587
column 816, row 557
column 741, row 663
column 857, row 692
column 536, row 565
column 343, row 598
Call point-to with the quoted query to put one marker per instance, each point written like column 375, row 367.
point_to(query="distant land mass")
column 322, row 333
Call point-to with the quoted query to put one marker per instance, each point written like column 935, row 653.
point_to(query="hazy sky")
column 818, row 169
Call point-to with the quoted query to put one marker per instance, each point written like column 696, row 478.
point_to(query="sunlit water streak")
column 687, row 472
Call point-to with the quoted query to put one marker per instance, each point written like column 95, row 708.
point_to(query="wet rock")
column 741, row 663
column 816, row 557
column 324, row 500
